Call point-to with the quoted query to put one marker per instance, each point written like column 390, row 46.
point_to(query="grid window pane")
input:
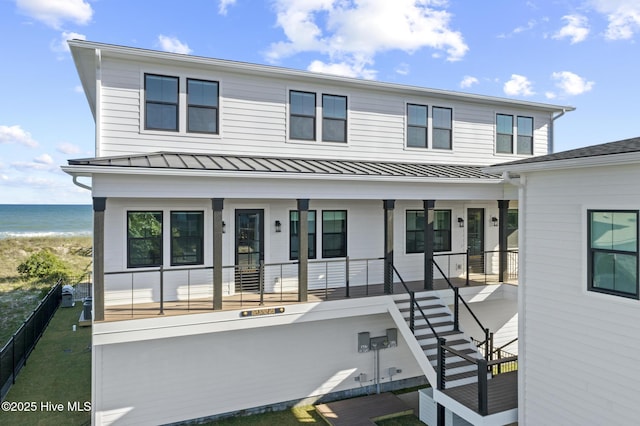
column 504, row 134
column 144, row 239
column 202, row 111
column 525, row 135
column 417, row 137
column 161, row 89
column 334, row 118
column 417, row 115
column 334, row 233
column 162, row 116
column 303, row 103
column 334, row 130
column 203, row 93
column 441, row 138
column 161, row 102
column 334, row 107
column 415, row 231
column 504, row 144
column 302, row 120
column 203, row 120
column 442, row 126
column 187, row 238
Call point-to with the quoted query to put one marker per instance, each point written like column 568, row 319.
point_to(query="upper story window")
column 505, row 131
column 302, row 124
column 202, row 106
column 613, row 252
column 334, row 118
column 442, row 127
column 144, row 239
column 161, row 102
column 416, row 126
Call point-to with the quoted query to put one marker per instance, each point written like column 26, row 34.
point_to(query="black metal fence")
column 13, row 356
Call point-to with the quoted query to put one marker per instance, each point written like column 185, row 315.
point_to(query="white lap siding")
column 579, row 362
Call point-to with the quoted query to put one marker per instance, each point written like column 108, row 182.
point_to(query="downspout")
column 80, row 184
column 551, row 135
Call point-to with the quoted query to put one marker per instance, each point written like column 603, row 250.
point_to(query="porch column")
column 388, row 205
column 503, row 208
column 429, row 206
column 217, row 205
column 99, row 206
column 303, row 249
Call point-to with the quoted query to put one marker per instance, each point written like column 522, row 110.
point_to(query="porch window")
column 161, row 102
column 187, row 238
column 202, row 108
column 334, row 118
column 442, row 127
column 416, row 126
column 144, row 239
column 294, row 234
column 334, row 233
column 613, row 252
column 415, row 231
column 302, row 120
column 512, row 228
column 504, row 134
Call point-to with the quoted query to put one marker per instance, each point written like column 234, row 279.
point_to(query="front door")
column 249, row 248
column 475, row 239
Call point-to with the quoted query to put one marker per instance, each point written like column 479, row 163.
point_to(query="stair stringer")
column 413, row 344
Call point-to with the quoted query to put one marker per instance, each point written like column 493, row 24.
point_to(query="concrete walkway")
column 363, row 411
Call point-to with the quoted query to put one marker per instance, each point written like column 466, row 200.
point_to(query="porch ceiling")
column 233, row 164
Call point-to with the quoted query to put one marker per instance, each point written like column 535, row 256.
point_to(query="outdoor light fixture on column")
column 461, row 222
column 278, row 226
column 494, row 221
column 224, row 227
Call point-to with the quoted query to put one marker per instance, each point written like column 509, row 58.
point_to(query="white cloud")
column 68, row 148
column 43, row 159
column 15, row 134
column 550, row 95
column 623, row 17
column 32, row 165
column 571, row 84
column 60, row 45
column 403, row 69
column 531, row 24
column 347, row 69
column 468, row 81
column 519, row 85
column 353, row 32
column 577, row 29
column 54, row 12
column 224, row 4
column 173, row 45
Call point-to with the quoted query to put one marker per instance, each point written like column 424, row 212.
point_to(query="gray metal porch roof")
column 258, row 164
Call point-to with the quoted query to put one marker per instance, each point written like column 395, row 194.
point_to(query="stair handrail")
column 488, row 342
column 414, row 302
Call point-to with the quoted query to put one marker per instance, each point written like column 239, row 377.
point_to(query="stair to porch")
column 459, row 371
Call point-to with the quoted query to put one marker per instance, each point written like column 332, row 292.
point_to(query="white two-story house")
column 260, row 202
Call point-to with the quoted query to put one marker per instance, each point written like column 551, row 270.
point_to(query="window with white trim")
column 506, row 127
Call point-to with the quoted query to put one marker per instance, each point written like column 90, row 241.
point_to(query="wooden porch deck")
column 252, row 300
column 502, row 389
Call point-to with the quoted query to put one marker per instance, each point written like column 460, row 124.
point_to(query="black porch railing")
column 486, row 370
column 414, row 304
column 484, row 267
column 14, row 354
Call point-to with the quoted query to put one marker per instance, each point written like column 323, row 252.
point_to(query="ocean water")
column 40, row 220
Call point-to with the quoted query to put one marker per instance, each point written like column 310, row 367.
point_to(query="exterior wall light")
column 224, row 227
column 461, row 222
column 278, row 226
column 494, row 221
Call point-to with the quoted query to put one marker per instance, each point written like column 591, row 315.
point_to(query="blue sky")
column 582, row 53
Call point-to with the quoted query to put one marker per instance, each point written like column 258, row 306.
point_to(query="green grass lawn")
column 57, row 372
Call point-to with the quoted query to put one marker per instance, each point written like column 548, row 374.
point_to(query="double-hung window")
column 302, row 121
column 334, row 233
column 144, row 239
column 442, row 127
column 187, row 238
column 415, row 231
column 334, row 118
column 525, row 135
column 416, row 126
column 504, row 134
column 613, row 252
column 202, row 106
column 294, row 234
column 161, row 102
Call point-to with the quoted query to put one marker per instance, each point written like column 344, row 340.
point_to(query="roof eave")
column 571, row 163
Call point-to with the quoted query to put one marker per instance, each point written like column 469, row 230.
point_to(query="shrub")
column 44, row 266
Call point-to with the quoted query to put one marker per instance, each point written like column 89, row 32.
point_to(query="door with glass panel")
column 475, row 240
column 249, row 248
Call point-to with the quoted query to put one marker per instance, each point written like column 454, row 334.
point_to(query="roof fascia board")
column 267, row 70
column 88, row 171
column 570, row 163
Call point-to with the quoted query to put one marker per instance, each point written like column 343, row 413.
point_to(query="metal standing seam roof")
column 236, row 163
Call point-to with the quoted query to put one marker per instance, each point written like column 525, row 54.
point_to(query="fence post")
column 441, row 363
column 13, row 359
column 456, row 309
column 261, row 281
column 467, row 268
column 161, row 290
column 487, row 344
column 483, row 403
column 346, row 272
column 412, row 312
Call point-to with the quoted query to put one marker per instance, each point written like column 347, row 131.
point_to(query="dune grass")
column 18, row 297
